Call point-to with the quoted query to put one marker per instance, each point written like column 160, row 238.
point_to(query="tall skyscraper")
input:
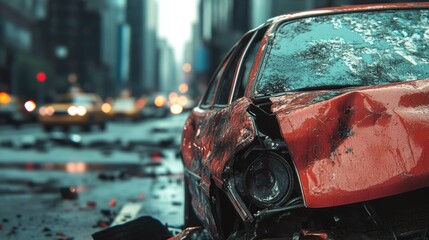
column 141, row 17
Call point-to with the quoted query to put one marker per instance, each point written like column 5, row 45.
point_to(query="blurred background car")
column 14, row 110
column 180, row 103
column 80, row 109
column 124, row 108
column 155, row 106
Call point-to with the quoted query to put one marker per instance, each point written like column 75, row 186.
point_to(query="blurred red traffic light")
column 41, row 77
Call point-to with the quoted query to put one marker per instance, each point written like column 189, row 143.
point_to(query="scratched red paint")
column 360, row 145
column 207, row 148
column 347, row 145
column 218, row 142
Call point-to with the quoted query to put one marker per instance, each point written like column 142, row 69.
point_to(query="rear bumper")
column 65, row 120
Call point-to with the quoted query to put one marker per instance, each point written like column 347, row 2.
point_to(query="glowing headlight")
column 81, row 110
column 106, row 107
column 72, row 111
column 176, row 109
column 160, row 101
column 269, row 180
column 30, row 105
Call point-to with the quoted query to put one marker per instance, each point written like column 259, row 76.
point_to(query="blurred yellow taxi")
column 155, row 106
column 124, row 108
column 80, row 109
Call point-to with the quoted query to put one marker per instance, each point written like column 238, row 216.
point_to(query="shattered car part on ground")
column 146, row 227
column 315, row 126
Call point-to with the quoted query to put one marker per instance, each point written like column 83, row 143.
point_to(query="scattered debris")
column 157, row 157
column 104, row 223
column 128, row 212
column 27, row 142
column 124, row 175
column 104, row 144
column 106, row 212
column 7, row 143
column 12, row 231
column 140, row 228
column 69, row 193
column 101, row 224
column 61, row 138
column 112, row 202
column 166, row 142
column 159, row 130
column 106, row 151
column 106, row 177
column 192, row 233
column 179, row 154
column 62, row 236
column 91, row 204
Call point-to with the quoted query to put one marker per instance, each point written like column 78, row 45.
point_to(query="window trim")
column 241, row 44
column 218, row 70
column 259, row 32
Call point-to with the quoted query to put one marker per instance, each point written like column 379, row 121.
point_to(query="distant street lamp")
column 183, row 88
column 187, row 67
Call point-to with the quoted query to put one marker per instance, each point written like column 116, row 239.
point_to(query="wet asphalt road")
column 70, row 185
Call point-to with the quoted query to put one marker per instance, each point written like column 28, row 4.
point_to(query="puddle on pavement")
column 76, row 141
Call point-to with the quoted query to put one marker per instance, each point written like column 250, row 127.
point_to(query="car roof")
column 348, row 8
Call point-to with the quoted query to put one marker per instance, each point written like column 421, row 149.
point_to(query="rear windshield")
column 364, row 48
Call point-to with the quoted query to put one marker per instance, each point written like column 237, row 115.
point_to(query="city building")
column 166, row 75
column 73, row 43
column 115, row 43
column 21, row 39
column 141, row 16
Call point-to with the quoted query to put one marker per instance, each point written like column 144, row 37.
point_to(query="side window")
column 224, row 89
column 208, row 96
column 247, row 64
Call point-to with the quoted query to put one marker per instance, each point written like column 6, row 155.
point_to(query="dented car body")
column 315, row 125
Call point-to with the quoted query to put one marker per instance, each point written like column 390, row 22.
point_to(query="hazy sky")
column 175, row 18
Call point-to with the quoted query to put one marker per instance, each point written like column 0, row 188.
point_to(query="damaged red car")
column 316, row 125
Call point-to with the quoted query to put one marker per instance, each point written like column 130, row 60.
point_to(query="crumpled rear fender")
column 357, row 145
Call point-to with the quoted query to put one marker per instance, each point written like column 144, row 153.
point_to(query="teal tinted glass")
column 363, row 48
